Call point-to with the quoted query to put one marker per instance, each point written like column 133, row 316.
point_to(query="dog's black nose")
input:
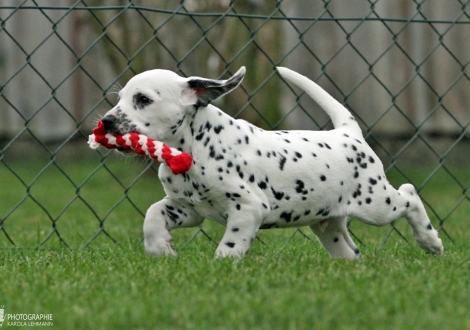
column 109, row 122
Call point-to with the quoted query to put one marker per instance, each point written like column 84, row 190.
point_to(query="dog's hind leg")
column 423, row 232
column 333, row 235
column 387, row 204
column 162, row 217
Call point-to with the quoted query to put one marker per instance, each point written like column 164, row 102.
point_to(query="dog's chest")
column 194, row 189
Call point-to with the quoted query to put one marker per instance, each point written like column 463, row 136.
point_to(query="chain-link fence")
column 401, row 67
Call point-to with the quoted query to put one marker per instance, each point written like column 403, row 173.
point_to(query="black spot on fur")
column 372, row 181
column 277, row 194
column 267, row 226
column 211, row 152
column 299, row 186
column 286, row 216
column 282, row 162
column 230, row 244
column 172, row 215
column 200, row 136
column 322, row 177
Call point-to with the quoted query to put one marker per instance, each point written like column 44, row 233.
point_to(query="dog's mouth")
column 119, row 130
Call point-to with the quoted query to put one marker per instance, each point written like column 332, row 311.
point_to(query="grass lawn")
column 287, row 283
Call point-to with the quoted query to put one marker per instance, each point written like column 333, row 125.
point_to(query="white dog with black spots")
column 247, row 179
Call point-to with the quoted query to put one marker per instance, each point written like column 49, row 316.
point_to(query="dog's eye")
column 144, row 100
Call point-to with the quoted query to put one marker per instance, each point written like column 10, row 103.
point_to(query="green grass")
column 294, row 286
column 283, row 284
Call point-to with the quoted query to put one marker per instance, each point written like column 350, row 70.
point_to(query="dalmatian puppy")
column 247, row 179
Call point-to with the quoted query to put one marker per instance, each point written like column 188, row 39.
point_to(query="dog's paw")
column 223, row 252
column 429, row 240
column 160, row 248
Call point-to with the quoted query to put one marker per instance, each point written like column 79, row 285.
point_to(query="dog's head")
column 155, row 102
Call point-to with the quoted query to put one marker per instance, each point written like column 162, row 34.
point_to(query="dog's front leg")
column 242, row 225
column 162, row 217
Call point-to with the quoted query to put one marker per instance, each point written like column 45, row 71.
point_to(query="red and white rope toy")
column 179, row 162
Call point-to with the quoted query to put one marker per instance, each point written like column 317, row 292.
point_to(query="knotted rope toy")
column 179, row 162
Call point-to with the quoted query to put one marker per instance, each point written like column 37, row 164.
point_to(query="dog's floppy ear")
column 200, row 92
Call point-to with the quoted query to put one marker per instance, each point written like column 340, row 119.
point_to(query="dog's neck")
column 196, row 126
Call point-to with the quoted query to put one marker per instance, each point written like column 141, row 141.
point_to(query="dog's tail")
column 340, row 116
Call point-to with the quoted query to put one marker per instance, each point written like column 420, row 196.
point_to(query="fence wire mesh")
column 401, row 68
